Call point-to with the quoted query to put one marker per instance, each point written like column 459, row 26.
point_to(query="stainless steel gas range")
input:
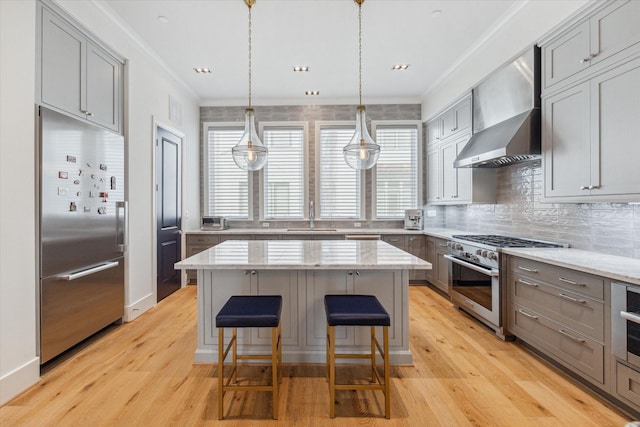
column 476, row 283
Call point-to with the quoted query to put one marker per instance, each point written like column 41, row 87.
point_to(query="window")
column 227, row 187
column 339, row 187
column 283, row 178
column 397, row 174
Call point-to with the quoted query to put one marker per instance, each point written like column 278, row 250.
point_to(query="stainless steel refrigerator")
column 82, row 230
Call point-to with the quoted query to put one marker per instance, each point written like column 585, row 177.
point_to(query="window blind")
column 339, row 185
column 284, row 174
column 227, row 184
column 397, row 175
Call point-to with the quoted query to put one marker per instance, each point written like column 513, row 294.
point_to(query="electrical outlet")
column 431, row 213
column 265, row 225
column 357, row 224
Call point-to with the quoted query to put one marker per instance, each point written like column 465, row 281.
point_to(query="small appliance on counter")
column 413, row 219
column 214, row 223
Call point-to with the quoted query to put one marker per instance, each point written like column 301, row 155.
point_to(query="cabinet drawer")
column 195, row 249
column 570, row 280
column 566, row 346
column 202, row 239
column 628, row 383
column 398, row 241
column 581, row 314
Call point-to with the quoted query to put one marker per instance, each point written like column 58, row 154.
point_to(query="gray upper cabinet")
column 434, row 185
column 77, row 76
column 609, row 35
column 457, row 119
column 590, row 145
column 590, row 120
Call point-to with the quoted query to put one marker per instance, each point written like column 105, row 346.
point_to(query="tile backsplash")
column 612, row 228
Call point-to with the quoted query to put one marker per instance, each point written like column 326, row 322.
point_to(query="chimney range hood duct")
column 506, row 116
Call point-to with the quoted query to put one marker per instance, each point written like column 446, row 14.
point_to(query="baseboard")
column 19, row 380
column 137, row 308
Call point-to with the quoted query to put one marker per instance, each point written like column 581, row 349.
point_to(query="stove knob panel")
column 493, row 255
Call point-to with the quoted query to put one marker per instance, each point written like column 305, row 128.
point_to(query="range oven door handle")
column 633, row 317
column 488, row 271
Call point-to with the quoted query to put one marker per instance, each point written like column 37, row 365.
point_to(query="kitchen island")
column 303, row 271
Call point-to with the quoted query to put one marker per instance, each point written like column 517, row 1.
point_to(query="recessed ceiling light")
column 312, row 92
column 202, row 70
column 400, row 67
column 301, row 68
column 436, row 12
column 163, row 19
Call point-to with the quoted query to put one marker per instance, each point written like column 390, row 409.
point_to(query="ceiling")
column 321, row 34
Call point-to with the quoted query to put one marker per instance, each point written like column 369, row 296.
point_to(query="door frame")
column 154, row 200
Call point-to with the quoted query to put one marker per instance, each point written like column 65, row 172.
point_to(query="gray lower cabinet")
column 438, row 276
column 197, row 243
column 627, row 385
column 562, row 313
column 76, row 75
column 416, row 247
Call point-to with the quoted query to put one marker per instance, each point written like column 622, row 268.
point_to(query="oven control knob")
column 459, row 247
column 475, row 258
column 492, row 255
column 479, row 252
column 485, row 253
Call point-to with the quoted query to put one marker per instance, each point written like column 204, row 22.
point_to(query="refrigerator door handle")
column 89, row 271
column 121, row 226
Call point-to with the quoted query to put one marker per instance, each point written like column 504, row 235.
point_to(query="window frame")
column 305, row 175
column 419, row 164
column 206, row 170
column 319, row 125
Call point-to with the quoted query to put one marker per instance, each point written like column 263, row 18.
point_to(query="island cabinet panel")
column 416, row 247
column 319, row 284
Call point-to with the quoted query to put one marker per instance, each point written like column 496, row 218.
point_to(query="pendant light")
column 250, row 153
column 362, row 152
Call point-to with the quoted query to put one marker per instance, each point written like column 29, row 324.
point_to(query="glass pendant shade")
column 250, row 153
column 362, row 152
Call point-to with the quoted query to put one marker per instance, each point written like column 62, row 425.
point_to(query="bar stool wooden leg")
column 332, row 371
column 234, row 356
column 387, row 385
column 373, row 353
column 220, row 372
column 274, row 370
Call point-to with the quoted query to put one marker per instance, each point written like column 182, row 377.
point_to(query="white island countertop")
column 303, row 255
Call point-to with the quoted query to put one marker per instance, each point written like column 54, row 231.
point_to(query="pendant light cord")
column 360, row 51
column 249, row 55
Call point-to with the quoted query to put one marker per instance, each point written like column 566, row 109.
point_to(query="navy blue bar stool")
column 244, row 311
column 357, row 310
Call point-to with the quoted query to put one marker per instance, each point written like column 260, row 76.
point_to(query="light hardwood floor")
column 142, row 374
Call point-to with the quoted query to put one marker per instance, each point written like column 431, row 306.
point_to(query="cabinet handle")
column 443, row 245
column 533, row 285
column 357, row 273
column 566, row 334
column 530, row 316
column 530, row 270
column 254, row 272
column 589, row 58
column 246, row 272
column 594, row 187
column 350, row 273
column 453, row 129
column 565, row 296
column 571, row 282
column 584, row 187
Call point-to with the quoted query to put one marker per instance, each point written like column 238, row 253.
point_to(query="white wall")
column 19, row 366
column 148, row 89
column 529, row 23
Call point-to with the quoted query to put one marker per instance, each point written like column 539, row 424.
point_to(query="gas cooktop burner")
column 506, row 241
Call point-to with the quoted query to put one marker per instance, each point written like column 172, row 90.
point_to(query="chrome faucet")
column 312, row 214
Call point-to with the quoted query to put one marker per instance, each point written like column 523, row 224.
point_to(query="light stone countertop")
column 445, row 233
column 614, row 267
column 304, row 255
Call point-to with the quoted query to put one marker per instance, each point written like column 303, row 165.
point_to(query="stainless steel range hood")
column 506, row 116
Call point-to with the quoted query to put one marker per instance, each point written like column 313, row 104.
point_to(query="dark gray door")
column 169, row 217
